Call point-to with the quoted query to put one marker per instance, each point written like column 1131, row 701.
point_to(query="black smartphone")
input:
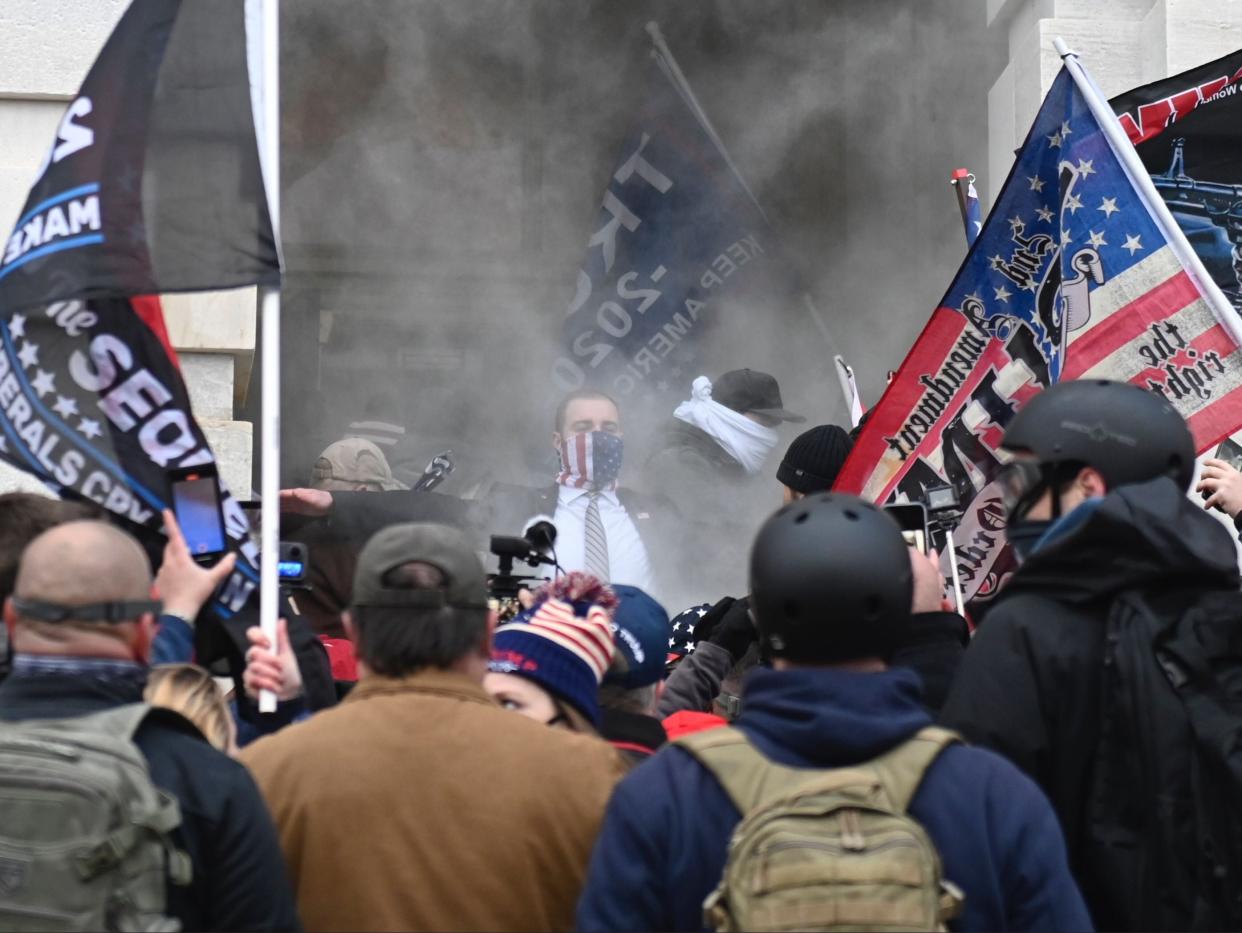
column 911, row 517
column 196, row 504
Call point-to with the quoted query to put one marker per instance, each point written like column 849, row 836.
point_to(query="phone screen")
column 911, row 517
column 196, row 502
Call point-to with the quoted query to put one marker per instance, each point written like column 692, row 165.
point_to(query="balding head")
column 83, row 562
column 77, row 564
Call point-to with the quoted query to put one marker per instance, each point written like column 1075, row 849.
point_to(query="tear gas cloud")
column 444, row 163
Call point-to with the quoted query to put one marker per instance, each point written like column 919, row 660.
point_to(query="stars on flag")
column 1003, row 294
column 89, row 428
column 43, row 383
column 1055, row 140
column 1132, row 243
column 29, row 354
column 996, row 262
column 1072, row 203
column 17, row 325
column 1086, row 167
column 1037, row 183
column 1045, row 215
column 1066, row 239
column 1109, row 207
column 65, row 406
column 1016, row 225
column 1097, row 239
column 1065, row 129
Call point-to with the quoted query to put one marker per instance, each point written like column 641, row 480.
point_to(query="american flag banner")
column 968, row 200
column 1078, row 272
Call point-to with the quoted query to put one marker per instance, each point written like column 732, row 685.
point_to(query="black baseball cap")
column 748, row 390
column 443, row 547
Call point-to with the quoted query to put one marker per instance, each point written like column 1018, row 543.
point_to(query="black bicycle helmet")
column 830, row 581
column 1128, row 434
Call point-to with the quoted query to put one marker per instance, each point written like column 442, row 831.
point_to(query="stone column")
column 1123, row 43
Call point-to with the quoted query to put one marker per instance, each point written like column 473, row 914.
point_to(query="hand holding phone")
column 196, row 504
column 911, row 518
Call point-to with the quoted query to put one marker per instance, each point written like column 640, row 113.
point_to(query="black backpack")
column 1164, row 837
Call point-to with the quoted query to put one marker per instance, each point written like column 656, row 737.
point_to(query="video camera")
column 536, row 547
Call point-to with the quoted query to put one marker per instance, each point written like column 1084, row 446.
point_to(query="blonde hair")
column 189, row 690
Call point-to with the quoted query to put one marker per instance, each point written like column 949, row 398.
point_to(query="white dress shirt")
column 627, row 556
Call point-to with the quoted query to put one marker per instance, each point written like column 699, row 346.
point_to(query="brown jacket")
column 419, row 804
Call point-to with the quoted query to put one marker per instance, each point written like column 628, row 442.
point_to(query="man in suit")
column 602, row 528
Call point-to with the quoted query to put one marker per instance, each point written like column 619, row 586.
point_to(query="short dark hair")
column 578, row 395
column 395, row 642
column 23, row 517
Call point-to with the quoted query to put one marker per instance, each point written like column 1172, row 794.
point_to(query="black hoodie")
column 1029, row 685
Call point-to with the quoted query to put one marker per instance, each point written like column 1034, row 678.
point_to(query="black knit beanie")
column 814, row 458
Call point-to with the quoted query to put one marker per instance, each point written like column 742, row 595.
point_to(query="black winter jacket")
column 1029, row 685
column 239, row 880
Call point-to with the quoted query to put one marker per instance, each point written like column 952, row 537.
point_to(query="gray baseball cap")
column 443, row 547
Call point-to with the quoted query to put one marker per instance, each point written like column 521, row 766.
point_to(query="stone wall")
column 1123, row 43
column 46, row 47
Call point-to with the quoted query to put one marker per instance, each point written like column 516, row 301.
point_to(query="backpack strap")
column 119, row 722
column 901, row 769
column 751, row 780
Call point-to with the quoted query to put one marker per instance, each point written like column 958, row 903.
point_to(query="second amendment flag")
column 1072, row 276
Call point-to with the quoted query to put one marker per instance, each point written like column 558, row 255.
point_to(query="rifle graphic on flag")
column 1078, row 272
column 154, row 183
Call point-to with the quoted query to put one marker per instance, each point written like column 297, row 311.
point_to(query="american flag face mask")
column 590, row 459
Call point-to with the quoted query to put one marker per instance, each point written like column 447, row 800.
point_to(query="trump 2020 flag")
column 1074, row 275
column 152, row 184
column 678, row 232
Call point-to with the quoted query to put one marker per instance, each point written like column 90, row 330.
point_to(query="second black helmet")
column 830, row 581
column 1128, row 434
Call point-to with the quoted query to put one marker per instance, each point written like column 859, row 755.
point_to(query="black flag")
column 153, row 184
column 1187, row 129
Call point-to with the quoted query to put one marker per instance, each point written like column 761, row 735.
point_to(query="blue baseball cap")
column 641, row 630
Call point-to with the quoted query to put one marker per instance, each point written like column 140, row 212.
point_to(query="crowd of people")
column 814, row 740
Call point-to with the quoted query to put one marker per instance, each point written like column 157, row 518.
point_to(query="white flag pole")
column 1141, row 180
column 269, row 484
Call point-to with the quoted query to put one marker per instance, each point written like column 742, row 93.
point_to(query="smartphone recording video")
column 196, row 504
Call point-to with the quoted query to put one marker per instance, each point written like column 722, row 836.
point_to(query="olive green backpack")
column 84, row 835
column 826, row 850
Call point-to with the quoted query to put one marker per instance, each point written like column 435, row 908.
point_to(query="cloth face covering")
column 591, row 460
column 746, row 441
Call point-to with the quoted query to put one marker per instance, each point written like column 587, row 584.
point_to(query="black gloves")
column 728, row 625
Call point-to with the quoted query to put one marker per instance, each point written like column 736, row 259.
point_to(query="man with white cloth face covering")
column 710, row 462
